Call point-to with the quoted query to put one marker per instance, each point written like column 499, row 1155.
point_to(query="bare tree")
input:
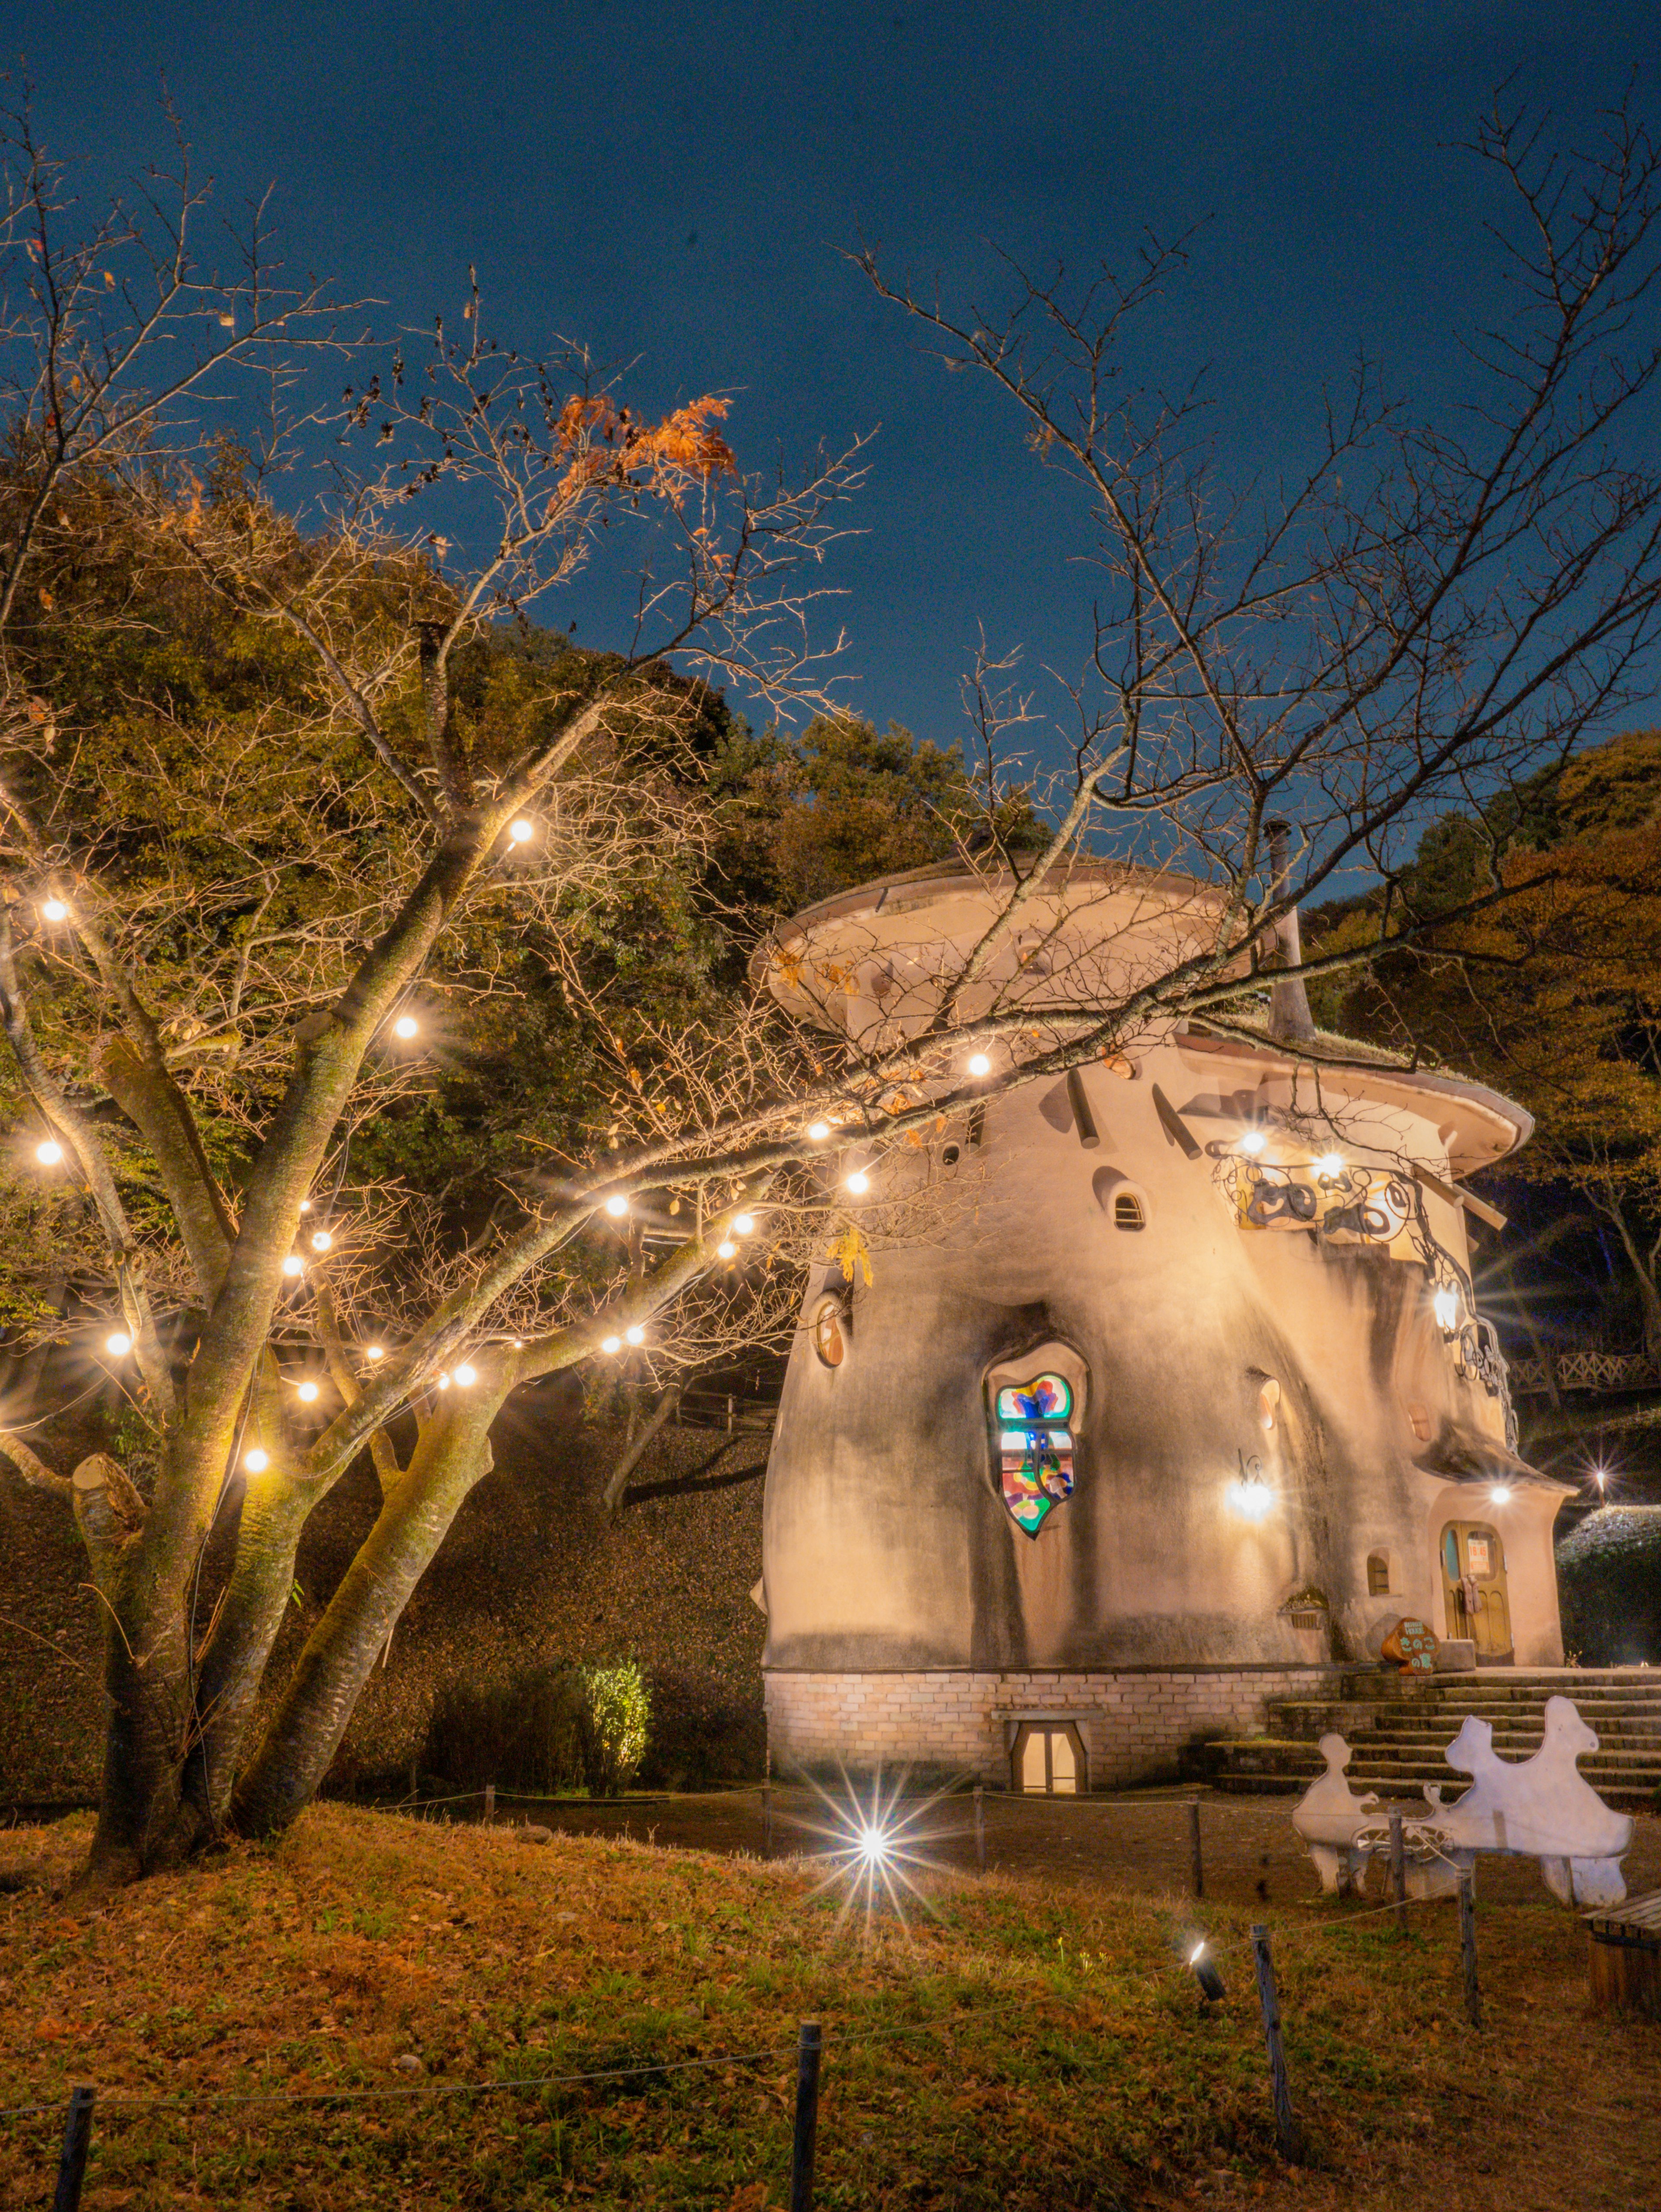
column 196, row 1044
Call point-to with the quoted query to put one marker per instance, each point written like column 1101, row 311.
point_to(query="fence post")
column 489, row 1800
column 807, row 2118
column 1398, row 1872
column 1196, row 1862
column 1468, row 1943
column 1285, row 2126
column 77, row 2142
column 767, row 1819
column 980, row 1827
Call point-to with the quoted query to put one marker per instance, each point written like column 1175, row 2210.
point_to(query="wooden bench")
column 1625, row 1943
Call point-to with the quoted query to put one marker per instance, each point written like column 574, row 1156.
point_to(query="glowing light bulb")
column 818, row 1130
column 742, row 1223
column 407, row 1025
column 49, row 1153
column 726, row 1250
column 610, row 1344
column 1500, row 1493
column 54, row 909
column 322, row 1241
column 305, row 1206
column 374, row 1352
column 1253, row 1141
column 443, row 1382
column 293, row 1264
column 1445, row 1304
column 979, row 1064
column 521, row 832
column 1600, row 1475
column 306, row 1394
column 873, row 1846
column 1252, row 1499
column 118, row 1343
column 256, row 1460
column 1196, row 1955
column 635, row 1332
column 466, row 1375
column 617, row 1205
column 1329, row 1164
column 859, row 1183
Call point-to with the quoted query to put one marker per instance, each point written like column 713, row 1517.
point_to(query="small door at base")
column 1476, row 1596
column 1049, row 1761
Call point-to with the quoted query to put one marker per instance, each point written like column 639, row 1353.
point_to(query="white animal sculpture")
column 1328, row 1816
column 1541, row 1807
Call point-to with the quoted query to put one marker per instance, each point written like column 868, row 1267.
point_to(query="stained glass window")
column 1033, row 1439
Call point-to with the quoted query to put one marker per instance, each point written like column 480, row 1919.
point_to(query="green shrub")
column 549, row 1730
column 1609, row 1581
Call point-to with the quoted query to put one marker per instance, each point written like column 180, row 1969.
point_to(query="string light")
column 118, row 1343
column 256, row 1460
column 742, row 1223
column 54, row 909
column 1253, row 1141
column 49, row 1153
column 374, row 1352
column 322, row 1241
column 859, row 1183
column 635, row 1332
column 610, row 1344
column 979, row 1064
column 305, row 1206
column 466, row 1375
column 521, row 832
column 617, row 1205
column 726, row 1250
column 818, row 1130
column 293, row 1264
column 306, row 1394
column 407, row 1025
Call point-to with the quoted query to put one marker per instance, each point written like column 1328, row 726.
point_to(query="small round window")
column 830, row 1332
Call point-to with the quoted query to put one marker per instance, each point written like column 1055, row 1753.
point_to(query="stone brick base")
column 1134, row 1722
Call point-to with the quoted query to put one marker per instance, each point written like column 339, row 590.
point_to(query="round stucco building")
column 1168, row 1395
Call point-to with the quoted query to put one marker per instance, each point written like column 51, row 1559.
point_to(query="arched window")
column 831, row 1331
column 1035, row 1448
column 1269, row 1403
column 1128, row 1211
column 1378, row 1574
column 1034, row 1404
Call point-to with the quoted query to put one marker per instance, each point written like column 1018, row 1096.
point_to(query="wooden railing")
column 1583, row 1371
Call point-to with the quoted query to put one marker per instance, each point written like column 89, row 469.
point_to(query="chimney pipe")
column 1289, row 1015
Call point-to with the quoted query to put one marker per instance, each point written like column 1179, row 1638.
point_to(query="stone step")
column 1245, row 1766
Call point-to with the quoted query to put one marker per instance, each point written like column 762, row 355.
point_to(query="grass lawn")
column 1027, row 2040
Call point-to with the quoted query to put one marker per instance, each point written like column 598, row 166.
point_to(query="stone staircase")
column 1398, row 1726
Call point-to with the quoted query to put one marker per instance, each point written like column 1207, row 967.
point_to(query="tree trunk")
column 305, row 1732
column 274, row 1512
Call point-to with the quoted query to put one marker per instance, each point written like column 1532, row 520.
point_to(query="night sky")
column 674, row 186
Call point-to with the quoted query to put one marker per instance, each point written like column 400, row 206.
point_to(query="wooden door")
column 1475, row 1597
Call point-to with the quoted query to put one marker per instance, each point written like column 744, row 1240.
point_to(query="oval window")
column 830, row 1333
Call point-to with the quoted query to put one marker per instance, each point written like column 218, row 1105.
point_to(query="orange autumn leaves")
column 611, row 445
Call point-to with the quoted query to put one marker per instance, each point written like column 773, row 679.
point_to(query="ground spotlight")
column 1202, row 1968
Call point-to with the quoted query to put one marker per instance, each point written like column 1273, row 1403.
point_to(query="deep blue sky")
column 671, row 183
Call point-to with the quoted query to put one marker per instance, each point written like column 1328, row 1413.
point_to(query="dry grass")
column 1032, row 2041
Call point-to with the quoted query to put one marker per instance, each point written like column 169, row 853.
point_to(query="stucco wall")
column 1134, row 1722
column 887, row 1544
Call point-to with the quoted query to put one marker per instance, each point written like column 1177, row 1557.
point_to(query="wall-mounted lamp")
column 1445, row 1304
column 1250, row 1494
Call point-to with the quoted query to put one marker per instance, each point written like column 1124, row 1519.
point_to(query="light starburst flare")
column 872, row 1844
